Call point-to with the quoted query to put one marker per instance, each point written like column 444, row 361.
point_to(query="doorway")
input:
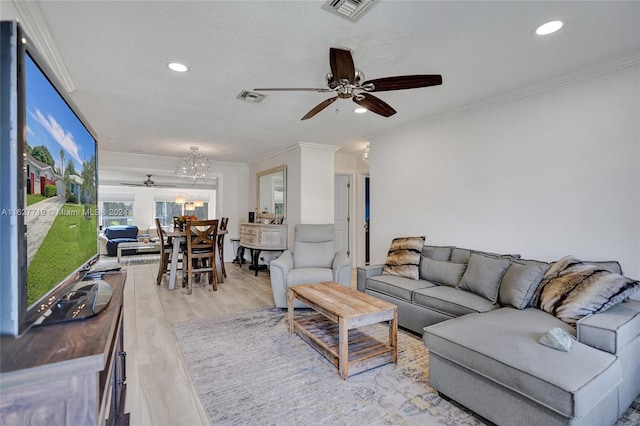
column 342, row 212
column 367, row 226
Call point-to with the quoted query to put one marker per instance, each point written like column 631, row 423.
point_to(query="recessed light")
column 549, row 28
column 360, row 110
column 177, row 67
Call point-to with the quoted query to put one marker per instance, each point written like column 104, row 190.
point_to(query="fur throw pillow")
column 572, row 289
column 403, row 258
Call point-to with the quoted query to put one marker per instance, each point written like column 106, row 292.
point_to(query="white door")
column 341, row 211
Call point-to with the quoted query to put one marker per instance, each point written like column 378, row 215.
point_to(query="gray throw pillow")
column 437, row 252
column 461, row 255
column 483, row 276
column 520, row 282
column 441, row 272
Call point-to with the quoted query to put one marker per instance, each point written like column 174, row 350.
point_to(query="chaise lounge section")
column 476, row 313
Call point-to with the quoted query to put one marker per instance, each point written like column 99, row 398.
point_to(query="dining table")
column 178, row 236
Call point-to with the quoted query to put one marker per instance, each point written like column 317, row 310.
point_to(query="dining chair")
column 223, row 227
column 166, row 249
column 200, row 251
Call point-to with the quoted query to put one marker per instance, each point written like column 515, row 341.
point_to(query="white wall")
column 317, row 183
column 548, row 175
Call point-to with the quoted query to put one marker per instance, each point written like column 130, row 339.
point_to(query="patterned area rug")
column 249, row 370
column 137, row 259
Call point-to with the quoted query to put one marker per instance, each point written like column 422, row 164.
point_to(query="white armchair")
column 314, row 259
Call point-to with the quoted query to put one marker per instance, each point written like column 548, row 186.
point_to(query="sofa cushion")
column 403, row 258
column 437, row 252
column 441, row 272
column 483, row 275
column 461, row 255
column 395, row 286
column 572, row 289
column 112, row 246
column 121, row 231
column 502, row 346
column 520, row 282
column 613, row 329
column 451, row 301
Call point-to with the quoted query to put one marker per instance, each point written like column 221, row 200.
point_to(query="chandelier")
column 194, row 166
column 365, row 154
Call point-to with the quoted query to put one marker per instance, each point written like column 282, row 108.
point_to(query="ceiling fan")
column 148, row 183
column 348, row 82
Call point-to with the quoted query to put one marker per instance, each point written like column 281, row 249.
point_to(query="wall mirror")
column 271, row 193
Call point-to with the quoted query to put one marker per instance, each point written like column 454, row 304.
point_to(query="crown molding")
column 37, row 29
column 565, row 80
column 319, row 147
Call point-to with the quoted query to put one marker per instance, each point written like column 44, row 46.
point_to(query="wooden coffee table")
column 340, row 309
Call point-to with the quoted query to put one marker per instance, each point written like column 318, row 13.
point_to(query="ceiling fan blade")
column 322, row 105
column 404, row 82
column 292, row 89
column 131, row 184
column 342, row 66
column 374, row 104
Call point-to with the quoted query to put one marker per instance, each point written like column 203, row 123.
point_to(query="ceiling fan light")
column 549, row 28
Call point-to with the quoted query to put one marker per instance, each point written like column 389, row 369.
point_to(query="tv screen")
column 48, row 200
column 60, row 155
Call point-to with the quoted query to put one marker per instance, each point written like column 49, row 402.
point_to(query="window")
column 166, row 210
column 116, row 213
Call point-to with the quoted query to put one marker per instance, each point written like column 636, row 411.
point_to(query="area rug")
column 248, row 369
column 138, row 259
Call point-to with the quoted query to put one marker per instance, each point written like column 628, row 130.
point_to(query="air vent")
column 252, row 97
column 349, row 9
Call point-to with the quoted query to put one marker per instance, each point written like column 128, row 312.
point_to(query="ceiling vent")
column 252, row 97
column 349, row 9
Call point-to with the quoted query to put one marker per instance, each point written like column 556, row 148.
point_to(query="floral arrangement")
column 185, row 218
column 180, row 221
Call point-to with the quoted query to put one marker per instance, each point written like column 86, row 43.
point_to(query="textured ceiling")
column 116, row 52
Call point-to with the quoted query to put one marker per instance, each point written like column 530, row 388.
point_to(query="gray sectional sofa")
column 474, row 312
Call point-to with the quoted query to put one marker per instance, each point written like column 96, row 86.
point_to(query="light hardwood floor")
column 159, row 388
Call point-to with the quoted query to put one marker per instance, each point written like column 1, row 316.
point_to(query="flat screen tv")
column 48, row 198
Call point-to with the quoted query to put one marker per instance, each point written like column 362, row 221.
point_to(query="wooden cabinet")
column 259, row 237
column 71, row 373
column 263, row 236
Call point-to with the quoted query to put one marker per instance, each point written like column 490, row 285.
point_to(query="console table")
column 71, row 373
column 259, row 237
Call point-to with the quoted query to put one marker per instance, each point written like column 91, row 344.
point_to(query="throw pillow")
column 447, row 273
column 483, row 276
column 437, row 252
column 572, row 289
column 403, row 258
column 520, row 282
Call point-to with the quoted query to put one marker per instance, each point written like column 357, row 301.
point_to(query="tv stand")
column 68, row 373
